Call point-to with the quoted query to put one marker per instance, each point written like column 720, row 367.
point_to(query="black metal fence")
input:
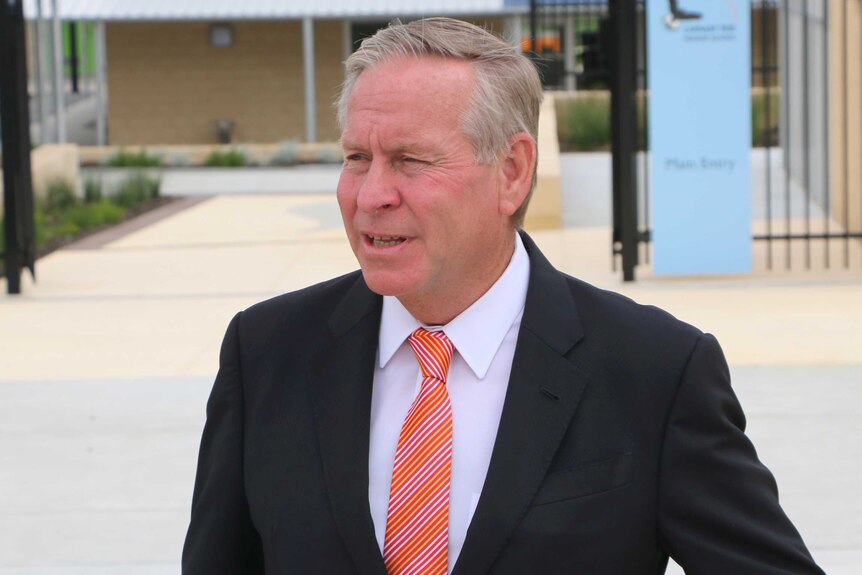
column 806, row 118
column 19, row 246
column 806, row 217
column 571, row 41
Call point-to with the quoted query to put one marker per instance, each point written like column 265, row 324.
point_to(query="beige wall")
column 845, row 145
column 167, row 85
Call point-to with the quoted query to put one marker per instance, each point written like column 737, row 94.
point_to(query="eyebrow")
column 397, row 148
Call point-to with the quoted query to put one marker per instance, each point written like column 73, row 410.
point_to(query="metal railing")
column 807, row 180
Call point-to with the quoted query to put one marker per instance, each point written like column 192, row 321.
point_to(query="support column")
column 101, row 86
column 512, row 30
column 624, row 135
column 84, row 51
column 310, row 92
column 347, row 38
column 59, row 83
column 39, row 72
column 569, row 53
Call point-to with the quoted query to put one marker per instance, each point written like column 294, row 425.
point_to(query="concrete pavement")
column 106, row 363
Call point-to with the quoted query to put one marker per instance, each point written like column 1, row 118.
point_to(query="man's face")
column 423, row 219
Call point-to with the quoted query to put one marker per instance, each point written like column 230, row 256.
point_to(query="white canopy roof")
column 136, row 10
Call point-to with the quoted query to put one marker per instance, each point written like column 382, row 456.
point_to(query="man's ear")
column 516, row 172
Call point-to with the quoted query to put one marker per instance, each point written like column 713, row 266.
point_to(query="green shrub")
column 39, row 221
column 584, row 123
column 64, row 229
column 60, row 216
column 764, row 130
column 232, row 158
column 48, row 228
column 94, row 215
column 92, row 190
column 74, row 220
column 139, row 159
column 60, row 195
column 179, row 159
column 287, row 154
column 137, row 188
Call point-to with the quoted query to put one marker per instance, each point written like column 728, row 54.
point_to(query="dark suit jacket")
column 620, row 443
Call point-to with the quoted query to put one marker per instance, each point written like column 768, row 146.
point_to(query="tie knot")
column 433, row 351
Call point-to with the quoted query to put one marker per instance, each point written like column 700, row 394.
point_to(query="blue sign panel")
column 699, row 71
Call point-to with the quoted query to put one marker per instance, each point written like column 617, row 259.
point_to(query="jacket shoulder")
column 301, row 311
column 621, row 319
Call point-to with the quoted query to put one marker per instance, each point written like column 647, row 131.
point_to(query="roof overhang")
column 210, row 10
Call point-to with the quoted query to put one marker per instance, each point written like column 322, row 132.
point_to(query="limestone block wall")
column 545, row 211
column 52, row 162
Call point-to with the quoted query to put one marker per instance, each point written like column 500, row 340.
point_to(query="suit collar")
column 358, row 303
column 550, row 312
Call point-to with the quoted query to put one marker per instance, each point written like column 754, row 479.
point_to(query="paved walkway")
column 106, row 363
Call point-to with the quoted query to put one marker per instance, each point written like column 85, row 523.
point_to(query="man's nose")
column 378, row 190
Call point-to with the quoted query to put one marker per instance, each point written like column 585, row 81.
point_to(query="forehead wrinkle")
column 390, row 86
column 393, row 146
column 391, row 137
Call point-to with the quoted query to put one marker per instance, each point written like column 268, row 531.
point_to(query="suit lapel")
column 543, row 394
column 340, row 382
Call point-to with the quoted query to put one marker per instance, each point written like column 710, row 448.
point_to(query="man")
column 459, row 405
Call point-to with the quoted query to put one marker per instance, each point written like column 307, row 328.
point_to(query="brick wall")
column 167, row 85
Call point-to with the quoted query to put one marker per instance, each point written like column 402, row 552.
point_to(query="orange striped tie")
column 417, row 528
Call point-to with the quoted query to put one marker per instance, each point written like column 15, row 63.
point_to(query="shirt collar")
column 479, row 330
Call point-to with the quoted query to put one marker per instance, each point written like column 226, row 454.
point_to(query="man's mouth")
column 385, row 241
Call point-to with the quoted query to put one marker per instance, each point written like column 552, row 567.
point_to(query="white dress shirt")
column 484, row 336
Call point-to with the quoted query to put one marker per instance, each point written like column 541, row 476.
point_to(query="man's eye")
column 353, row 157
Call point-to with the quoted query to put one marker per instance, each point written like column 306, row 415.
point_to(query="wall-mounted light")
column 221, row 36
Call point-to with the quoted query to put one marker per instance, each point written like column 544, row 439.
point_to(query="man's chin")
column 386, row 283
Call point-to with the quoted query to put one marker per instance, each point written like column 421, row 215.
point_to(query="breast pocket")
column 586, row 479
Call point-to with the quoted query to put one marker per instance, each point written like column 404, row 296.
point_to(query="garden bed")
column 62, row 218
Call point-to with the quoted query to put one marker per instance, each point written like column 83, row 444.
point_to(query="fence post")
column 15, row 117
column 623, row 15
column 534, row 25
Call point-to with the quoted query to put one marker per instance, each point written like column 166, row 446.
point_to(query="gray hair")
column 508, row 91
